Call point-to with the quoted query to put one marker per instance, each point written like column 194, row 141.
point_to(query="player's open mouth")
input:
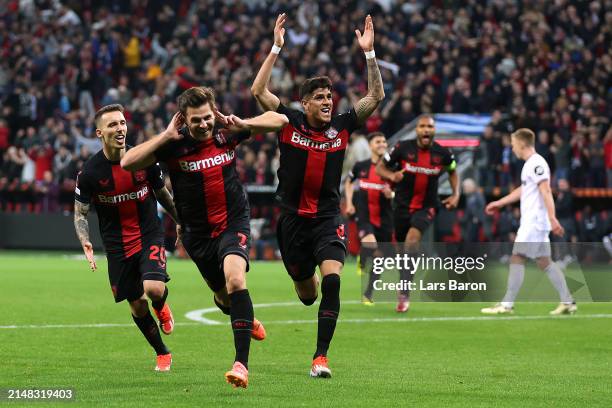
column 120, row 138
column 326, row 110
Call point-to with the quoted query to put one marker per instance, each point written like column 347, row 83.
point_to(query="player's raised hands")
column 366, row 40
column 279, row 30
column 89, row 255
column 172, row 131
column 397, row 176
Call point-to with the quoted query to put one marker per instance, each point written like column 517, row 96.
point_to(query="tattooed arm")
column 165, row 199
column 81, row 225
column 376, row 92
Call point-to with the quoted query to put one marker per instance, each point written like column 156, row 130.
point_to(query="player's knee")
column 235, row 283
column 308, row 301
column 154, row 289
column 543, row 263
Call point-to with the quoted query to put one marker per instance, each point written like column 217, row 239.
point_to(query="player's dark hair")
column 372, row 135
column 115, row 107
column 525, row 135
column 311, row 84
column 425, row 116
column 194, row 97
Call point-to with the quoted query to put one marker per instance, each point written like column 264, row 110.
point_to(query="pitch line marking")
column 198, row 319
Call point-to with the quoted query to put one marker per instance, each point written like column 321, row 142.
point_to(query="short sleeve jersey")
column 423, row 167
column 311, row 160
column 124, row 201
column 533, row 212
column 207, row 191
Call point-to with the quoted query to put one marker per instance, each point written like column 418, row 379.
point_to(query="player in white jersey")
column 537, row 221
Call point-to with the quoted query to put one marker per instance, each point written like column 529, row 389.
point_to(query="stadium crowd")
column 543, row 65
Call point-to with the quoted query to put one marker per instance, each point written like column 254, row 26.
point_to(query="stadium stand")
column 542, row 65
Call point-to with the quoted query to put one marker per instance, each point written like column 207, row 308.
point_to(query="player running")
column 537, row 221
column 131, row 231
column 212, row 204
column 312, row 146
column 415, row 167
column 368, row 196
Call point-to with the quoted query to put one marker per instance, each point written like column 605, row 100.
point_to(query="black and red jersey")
column 369, row 200
column 207, row 192
column 311, row 163
column 419, row 187
column 124, row 201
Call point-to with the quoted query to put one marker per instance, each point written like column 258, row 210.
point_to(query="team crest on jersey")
column 340, row 231
column 140, row 175
column 331, row 133
column 242, row 240
column 539, row 170
column 435, row 160
column 411, row 156
column 104, row 182
column 362, row 174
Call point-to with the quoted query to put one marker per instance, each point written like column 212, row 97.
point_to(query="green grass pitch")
column 421, row 360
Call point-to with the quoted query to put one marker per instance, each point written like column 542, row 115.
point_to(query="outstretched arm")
column 513, row 197
column 452, row 201
column 81, row 225
column 267, row 100
column 393, row 176
column 266, row 122
column 376, row 93
column 143, row 155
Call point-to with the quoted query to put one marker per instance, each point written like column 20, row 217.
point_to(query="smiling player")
column 131, row 231
column 312, row 146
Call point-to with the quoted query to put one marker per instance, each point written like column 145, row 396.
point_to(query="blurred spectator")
column 608, row 155
column 474, row 215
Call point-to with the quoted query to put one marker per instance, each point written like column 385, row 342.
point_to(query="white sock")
column 515, row 281
column 558, row 280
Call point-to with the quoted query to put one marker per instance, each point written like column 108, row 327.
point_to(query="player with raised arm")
column 131, row 231
column 415, row 167
column 212, row 204
column 538, row 219
column 368, row 197
column 312, row 146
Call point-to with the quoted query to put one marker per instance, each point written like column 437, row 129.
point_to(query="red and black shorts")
column 305, row 243
column 208, row 253
column 420, row 219
column 126, row 274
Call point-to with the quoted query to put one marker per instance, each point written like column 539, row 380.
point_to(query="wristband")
column 370, row 54
column 276, row 49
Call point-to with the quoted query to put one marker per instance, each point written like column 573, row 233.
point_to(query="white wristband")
column 276, row 49
column 370, row 54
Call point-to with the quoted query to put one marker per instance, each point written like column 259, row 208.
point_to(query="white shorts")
column 531, row 242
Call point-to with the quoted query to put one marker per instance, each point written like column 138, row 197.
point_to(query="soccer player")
column 212, row 204
column 415, row 167
column 312, row 146
column 368, row 196
column 537, row 221
column 131, row 231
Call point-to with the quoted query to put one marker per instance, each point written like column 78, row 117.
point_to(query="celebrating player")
column 371, row 204
column 131, row 231
column 415, row 166
column 312, row 146
column 537, row 221
column 212, row 204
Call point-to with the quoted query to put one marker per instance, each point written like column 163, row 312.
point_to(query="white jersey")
column 533, row 211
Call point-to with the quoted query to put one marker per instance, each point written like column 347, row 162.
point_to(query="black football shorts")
column 420, row 219
column 208, row 253
column 126, row 274
column 305, row 243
